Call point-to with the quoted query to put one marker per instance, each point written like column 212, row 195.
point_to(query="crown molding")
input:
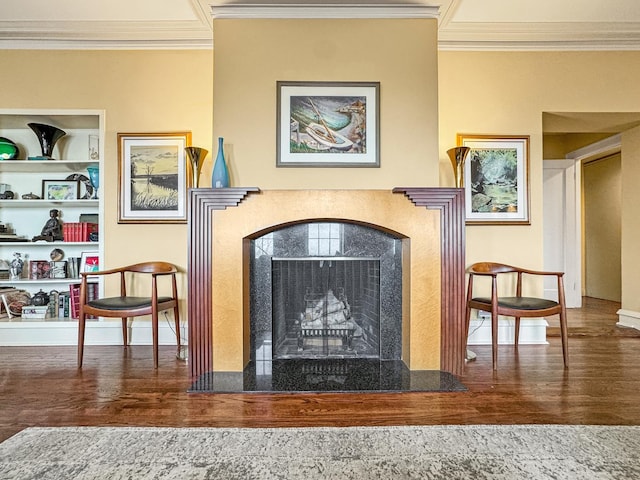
column 96, row 35
column 342, row 10
column 539, row 36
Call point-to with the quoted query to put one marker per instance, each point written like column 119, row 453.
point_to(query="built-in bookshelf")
column 51, row 267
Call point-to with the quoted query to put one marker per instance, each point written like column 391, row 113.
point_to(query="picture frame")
column 60, row 190
column 153, row 177
column 496, row 179
column 328, row 124
column 89, row 261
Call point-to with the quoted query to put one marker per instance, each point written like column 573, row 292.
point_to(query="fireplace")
column 424, row 226
column 323, row 290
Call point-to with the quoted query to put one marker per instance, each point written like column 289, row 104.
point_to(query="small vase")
column 220, row 176
column 458, row 155
column 94, row 178
column 47, row 135
column 196, row 156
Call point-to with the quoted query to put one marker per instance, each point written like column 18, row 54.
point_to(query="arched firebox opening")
column 326, row 289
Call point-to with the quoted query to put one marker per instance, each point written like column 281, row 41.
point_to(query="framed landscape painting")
column 496, row 179
column 153, row 180
column 328, row 124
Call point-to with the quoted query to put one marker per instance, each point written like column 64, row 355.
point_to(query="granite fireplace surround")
column 429, row 223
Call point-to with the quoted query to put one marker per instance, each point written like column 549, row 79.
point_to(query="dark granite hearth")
column 334, row 375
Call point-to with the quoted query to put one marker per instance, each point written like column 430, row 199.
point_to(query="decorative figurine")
column 52, row 230
column 16, row 266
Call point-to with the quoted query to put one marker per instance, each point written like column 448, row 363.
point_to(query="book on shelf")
column 52, row 310
column 73, row 267
column 58, row 269
column 78, row 231
column 63, row 304
column 74, row 298
column 43, row 269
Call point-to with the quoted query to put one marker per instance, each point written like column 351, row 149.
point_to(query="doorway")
column 582, row 221
column 602, row 227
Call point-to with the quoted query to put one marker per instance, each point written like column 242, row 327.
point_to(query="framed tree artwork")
column 496, row 179
column 153, row 179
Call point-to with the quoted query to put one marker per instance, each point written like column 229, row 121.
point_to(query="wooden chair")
column 515, row 306
column 125, row 306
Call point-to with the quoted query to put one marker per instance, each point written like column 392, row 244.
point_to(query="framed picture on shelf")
column 153, row 180
column 496, row 179
column 89, row 262
column 60, row 189
column 328, row 124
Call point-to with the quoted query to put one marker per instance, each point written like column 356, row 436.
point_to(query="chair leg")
column 517, row 331
column 466, row 332
column 125, row 335
column 565, row 338
column 176, row 316
column 81, row 325
column 154, row 328
column 494, row 339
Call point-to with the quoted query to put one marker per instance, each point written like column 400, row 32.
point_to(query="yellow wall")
column 507, row 93
column 631, row 224
column 251, row 55
column 477, row 92
column 141, row 91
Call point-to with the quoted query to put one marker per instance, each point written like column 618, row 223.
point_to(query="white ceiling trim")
column 324, row 11
column 185, row 34
column 539, row 36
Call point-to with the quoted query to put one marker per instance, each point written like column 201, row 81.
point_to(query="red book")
column 74, row 300
column 66, row 228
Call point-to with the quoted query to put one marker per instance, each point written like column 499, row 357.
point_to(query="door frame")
column 572, row 194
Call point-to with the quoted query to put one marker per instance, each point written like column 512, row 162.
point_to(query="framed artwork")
column 60, row 189
column 328, row 124
column 89, row 262
column 153, row 179
column 496, row 179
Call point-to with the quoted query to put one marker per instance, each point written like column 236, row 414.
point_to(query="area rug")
column 429, row 452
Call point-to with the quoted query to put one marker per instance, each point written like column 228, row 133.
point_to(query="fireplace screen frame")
column 326, row 307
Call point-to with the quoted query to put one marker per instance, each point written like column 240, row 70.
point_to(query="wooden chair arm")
column 103, row 272
column 540, row 272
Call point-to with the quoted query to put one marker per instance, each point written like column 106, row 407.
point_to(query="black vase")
column 47, row 135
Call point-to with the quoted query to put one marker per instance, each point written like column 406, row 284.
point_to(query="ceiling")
column 463, row 24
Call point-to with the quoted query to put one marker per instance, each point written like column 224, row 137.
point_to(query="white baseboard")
column 532, row 331
column 628, row 318
column 42, row 333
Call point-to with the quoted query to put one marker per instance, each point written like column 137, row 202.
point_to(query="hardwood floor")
column 42, row 387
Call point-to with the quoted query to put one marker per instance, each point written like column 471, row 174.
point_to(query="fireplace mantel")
column 221, row 221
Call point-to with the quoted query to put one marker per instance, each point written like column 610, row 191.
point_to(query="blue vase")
column 220, row 176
